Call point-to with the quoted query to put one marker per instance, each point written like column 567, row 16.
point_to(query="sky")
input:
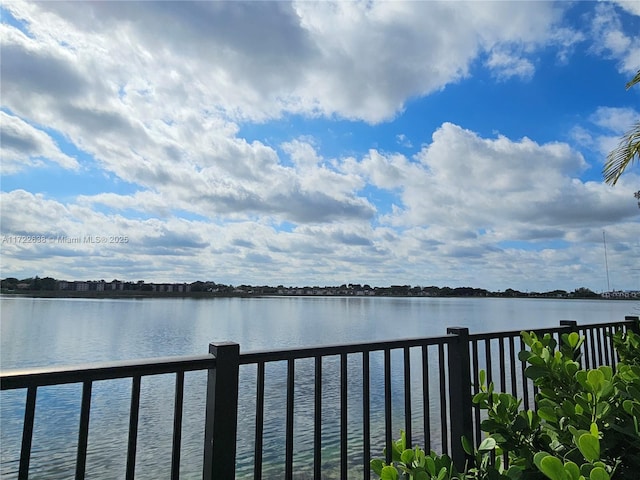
column 319, row 143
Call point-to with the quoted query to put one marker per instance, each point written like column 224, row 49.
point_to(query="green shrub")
column 586, row 426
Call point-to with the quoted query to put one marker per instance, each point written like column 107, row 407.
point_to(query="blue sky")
column 308, row 143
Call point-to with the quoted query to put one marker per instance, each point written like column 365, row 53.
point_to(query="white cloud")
column 403, row 141
column 506, row 64
column 632, row 7
column 616, row 120
column 22, row 146
column 611, row 40
column 605, row 130
column 356, row 60
column 467, row 185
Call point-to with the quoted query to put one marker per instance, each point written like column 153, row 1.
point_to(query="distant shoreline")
column 146, row 294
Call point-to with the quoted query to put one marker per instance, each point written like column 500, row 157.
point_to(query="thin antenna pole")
column 606, row 262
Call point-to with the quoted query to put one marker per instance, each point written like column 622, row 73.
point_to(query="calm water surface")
column 44, row 332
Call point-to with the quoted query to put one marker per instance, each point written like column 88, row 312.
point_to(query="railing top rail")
column 586, row 326
column 555, row 329
column 42, row 376
column 329, row 350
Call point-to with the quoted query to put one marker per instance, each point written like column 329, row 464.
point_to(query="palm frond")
column 634, row 80
column 626, row 153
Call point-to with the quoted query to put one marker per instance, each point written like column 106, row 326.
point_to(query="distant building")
column 621, row 294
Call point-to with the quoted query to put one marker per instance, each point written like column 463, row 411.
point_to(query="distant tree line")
column 49, row 284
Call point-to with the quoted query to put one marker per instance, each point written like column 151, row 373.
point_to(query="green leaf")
column 420, row 476
column 595, row 378
column 572, row 470
column 599, row 473
column 377, row 465
column 466, row 445
column 607, row 371
column 602, row 409
column 547, row 414
column 589, row 447
column 524, row 355
column 514, row 472
column 530, row 417
column 552, row 467
column 389, row 473
column 430, row 466
column 534, row 372
column 407, row 457
column 537, row 458
column 628, row 406
column 398, row 447
column 573, row 338
column 487, row 445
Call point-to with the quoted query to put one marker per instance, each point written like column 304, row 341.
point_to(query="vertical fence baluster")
column 487, row 359
column 133, row 427
column 593, row 348
column 585, row 363
column 27, row 433
column 476, row 389
column 612, row 350
column 444, row 427
column 177, row 426
column 288, row 467
column 317, row 424
column 83, row 430
column 343, row 415
column 366, row 419
column 525, row 380
column 257, row 451
column 599, row 342
column 221, row 415
column 607, row 345
column 407, row 396
column 512, row 365
column 426, row 403
column 387, row 403
column 501, row 356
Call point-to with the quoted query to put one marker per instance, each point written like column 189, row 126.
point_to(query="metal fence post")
column 635, row 326
column 569, row 323
column 460, row 404
column 221, row 413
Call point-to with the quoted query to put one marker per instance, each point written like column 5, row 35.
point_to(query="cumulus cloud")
column 630, row 6
column 23, row 146
column 607, row 125
column 473, row 193
column 616, row 120
column 506, row 65
column 255, row 61
column 611, row 40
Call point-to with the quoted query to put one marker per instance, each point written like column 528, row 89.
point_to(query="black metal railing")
column 423, row 386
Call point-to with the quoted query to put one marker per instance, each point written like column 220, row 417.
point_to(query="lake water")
column 45, row 332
